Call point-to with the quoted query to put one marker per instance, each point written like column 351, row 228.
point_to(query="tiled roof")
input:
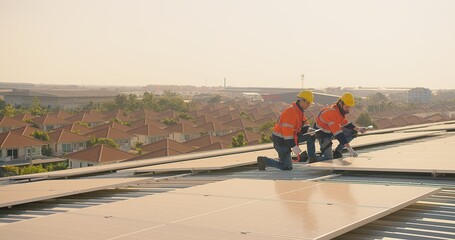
column 11, row 122
column 202, row 141
column 215, row 113
column 96, row 114
column 49, row 120
column 227, row 117
column 212, row 126
column 61, row 114
column 213, row 146
column 158, row 153
column 118, row 116
column 384, row 123
column 115, row 125
column 149, row 131
column 264, row 120
column 84, row 117
column 23, row 117
column 183, row 128
column 110, row 133
column 205, row 119
column 145, row 113
column 241, row 123
column 166, row 143
column 26, row 130
column 63, row 135
column 146, row 121
column 14, row 140
column 168, row 114
column 76, row 128
column 100, row 154
column 249, row 136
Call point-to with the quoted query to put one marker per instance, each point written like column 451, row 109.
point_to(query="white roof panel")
column 273, row 210
column 427, row 155
column 15, row 194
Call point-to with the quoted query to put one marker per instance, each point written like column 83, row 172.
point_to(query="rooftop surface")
column 240, row 202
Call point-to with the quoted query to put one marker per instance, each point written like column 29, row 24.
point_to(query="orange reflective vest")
column 330, row 120
column 291, row 120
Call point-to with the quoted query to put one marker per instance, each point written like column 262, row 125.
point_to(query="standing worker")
column 288, row 132
column 333, row 124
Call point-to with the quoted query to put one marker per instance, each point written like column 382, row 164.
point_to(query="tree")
column 36, row 109
column 169, row 121
column 133, row 103
column 365, row 120
column 238, row 141
column 171, row 101
column 215, row 99
column 32, row 169
column 244, row 115
column 9, row 111
column 46, row 151
column 185, row 116
column 40, row 135
column 108, row 141
column 121, row 101
column 268, row 126
column 265, row 138
column 149, row 101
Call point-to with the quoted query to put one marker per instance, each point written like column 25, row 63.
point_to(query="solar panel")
column 442, row 127
column 206, row 164
column 274, row 210
column 15, row 194
column 235, row 160
column 135, row 164
column 427, row 155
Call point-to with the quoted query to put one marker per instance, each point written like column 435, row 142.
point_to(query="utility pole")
column 302, row 77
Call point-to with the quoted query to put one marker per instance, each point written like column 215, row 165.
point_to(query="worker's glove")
column 311, row 131
column 352, row 153
column 362, row 129
column 296, row 150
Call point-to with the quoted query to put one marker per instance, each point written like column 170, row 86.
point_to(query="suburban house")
column 66, row 98
column 96, row 155
column 203, row 141
column 216, row 129
column 146, row 121
column 26, row 130
column 14, row 146
column 213, row 146
column 167, row 144
column 148, row 134
column 124, row 140
column 249, row 136
column 48, row 122
column 90, row 120
column 63, row 142
column 8, row 124
column 24, row 117
column 76, row 128
column 113, row 124
column 183, row 132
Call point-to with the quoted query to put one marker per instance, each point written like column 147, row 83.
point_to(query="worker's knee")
column 287, row 168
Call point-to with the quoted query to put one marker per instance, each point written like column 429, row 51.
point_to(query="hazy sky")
column 385, row 43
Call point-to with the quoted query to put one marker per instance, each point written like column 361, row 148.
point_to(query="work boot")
column 337, row 154
column 312, row 159
column 261, row 163
column 303, row 156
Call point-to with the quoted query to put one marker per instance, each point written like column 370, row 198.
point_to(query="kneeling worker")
column 288, row 131
column 333, row 124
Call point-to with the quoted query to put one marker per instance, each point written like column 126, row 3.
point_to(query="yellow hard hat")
column 348, row 99
column 307, row 95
